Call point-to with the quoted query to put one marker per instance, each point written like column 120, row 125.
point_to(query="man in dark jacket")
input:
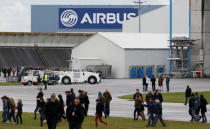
column 51, row 112
column 69, row 98
column 158, row 113
column 153, row 80
column 144, row 82
column 108, row 99
column 39, row 95
column 167, row 82
column 151, row 107
column 86, row 103
column 187, row 94
column 137, row 93
column 75, row 114
column 158, row 95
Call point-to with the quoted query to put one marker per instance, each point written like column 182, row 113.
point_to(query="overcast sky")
column 15, row 14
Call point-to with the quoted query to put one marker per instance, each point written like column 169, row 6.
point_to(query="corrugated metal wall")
column 25, row 56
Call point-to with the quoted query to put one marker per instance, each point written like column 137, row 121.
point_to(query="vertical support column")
column 189, row 55
column 170, row 33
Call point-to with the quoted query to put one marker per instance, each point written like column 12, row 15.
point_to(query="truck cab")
column 31, row 77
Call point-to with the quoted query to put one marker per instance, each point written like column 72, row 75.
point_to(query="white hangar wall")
column 99, row 47
column 112, row 49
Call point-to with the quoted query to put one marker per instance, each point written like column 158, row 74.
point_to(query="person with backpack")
column 99, row 113
column 12, row 110
column 19, row 111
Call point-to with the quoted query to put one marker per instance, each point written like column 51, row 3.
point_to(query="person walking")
column 39, row 96
column 41, row 110
column 197, row 104
column 75, row 114
column 153, row 80
column 144, row 82
column 5, row 109
column 99, row 113
column 188, row 92
column 19, row 111
column 45, row 81
column 192, row 108
column 160, row 82
column 158, row 113
column 12, row 110
column 203, row 104
column 158, row 95
column 151, row 107
column 167, row 82
column 61, row 108
column 108, row 98
column 102, row 101
column 137, row 107
column 148, row 97
column 39, row 79
column 86, row 103
column 51, row 112
column 137, row 93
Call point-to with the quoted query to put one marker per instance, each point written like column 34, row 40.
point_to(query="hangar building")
column 123, row 50
column 38, row 49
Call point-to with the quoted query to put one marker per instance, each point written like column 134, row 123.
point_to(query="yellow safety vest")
column 45, row 77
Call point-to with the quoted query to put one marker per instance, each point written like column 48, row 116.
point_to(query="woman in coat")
column 160, row 82
column 203, row 104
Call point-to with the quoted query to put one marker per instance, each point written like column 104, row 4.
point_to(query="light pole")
column 139, row 11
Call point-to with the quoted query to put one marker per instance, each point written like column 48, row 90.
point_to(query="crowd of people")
column 19, row 71
column 9, row 109
column 152, row 81
column 53, row 111
column 153, row 105
column 197, row 105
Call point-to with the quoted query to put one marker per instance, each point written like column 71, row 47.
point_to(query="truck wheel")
column 66, row 80
column 92, row 80
column 29, row 83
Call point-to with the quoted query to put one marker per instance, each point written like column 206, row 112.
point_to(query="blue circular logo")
column 69, row 18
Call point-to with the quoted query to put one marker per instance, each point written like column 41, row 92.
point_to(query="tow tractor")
column 70, row 77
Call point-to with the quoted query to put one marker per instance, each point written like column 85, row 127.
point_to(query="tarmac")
column 117, row 87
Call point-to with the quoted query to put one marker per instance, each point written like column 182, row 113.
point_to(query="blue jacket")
column 151, row 107
column 5, row 105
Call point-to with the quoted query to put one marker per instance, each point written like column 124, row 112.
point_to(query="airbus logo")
column 69, row 18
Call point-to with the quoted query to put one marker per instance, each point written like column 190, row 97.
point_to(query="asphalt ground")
column 117, row 87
